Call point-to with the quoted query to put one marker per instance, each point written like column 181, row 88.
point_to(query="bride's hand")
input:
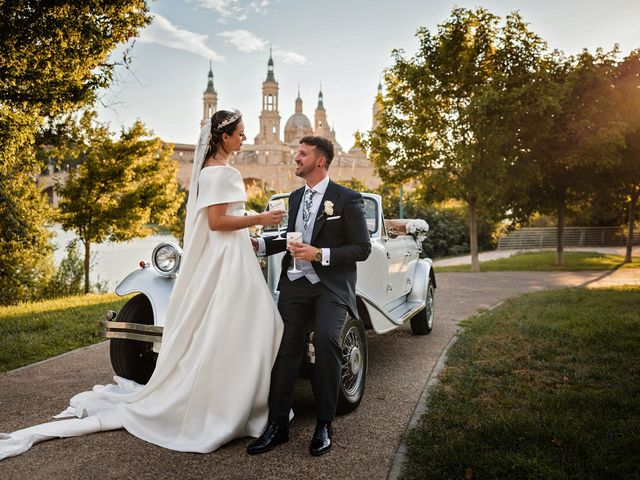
column 272, row 217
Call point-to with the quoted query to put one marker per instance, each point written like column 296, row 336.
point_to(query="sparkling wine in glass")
column 294, row 237
column 278, row 204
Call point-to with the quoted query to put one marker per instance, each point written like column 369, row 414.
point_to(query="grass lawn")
column 546, row 386
column 32, row 332
column 545, row 261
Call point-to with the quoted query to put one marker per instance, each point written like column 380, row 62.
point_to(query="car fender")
column 422, row 275
column 157, row 288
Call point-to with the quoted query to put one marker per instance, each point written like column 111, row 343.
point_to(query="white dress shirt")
column 320, row 188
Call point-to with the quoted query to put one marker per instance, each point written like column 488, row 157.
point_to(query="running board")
column 397, row 315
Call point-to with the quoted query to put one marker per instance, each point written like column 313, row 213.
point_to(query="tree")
column 25, row 251
column 627, row 176
column 578, row 143
column 453, row 114
column 54, row 57
column 119, row 187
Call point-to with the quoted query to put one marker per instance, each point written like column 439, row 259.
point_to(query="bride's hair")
column 223, row 121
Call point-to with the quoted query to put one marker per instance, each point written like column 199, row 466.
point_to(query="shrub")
column 68, row 277
column 449, row 229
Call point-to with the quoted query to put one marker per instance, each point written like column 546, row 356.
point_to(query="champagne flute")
column 278, row 204
column 294, row 237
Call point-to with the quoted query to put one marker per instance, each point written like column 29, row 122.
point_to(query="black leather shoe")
column 272, row 436
column 321, row 441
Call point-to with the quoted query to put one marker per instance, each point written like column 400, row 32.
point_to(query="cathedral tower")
column 209, row 99
column 321, row 127
column 269, row 117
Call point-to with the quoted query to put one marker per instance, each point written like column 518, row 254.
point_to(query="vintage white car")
column 394, row 286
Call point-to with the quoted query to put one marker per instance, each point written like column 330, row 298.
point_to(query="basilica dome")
column 298, row 121
column 298, row 125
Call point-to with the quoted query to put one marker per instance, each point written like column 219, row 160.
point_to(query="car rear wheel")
column 134, row 359
column 422, row 323
column 354, row 365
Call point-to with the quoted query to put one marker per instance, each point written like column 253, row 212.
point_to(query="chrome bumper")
column 129, row 331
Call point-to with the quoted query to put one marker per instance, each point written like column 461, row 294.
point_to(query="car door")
column 396, row 260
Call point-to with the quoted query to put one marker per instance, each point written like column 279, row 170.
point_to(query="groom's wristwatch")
column 318, row 256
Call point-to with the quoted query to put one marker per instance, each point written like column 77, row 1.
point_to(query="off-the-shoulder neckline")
column 216, row 166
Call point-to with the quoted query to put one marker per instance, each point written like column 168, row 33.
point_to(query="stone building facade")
column 269, row 160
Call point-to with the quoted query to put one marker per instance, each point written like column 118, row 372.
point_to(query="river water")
column 111, row 261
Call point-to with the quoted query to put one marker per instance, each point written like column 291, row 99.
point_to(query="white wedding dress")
column 222, row 334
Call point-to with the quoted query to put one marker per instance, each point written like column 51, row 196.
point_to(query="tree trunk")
column 473, row 237
column 630, row 222
column 560, row 235
column 87, row 258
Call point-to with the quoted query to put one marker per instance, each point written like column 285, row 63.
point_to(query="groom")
column 334, row 237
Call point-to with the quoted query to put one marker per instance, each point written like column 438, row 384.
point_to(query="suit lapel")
column 321, row 217
column 294, row 205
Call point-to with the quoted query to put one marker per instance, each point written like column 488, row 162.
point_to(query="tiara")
column 236, row 115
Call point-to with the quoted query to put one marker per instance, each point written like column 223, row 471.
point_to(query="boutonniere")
column 328, row 207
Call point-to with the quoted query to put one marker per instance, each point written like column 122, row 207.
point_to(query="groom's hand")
column 254, row 242
column 302, row 251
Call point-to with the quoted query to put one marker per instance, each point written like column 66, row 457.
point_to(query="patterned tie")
column 308, row 202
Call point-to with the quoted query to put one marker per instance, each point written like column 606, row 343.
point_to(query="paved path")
column 366, row 440
column 495, row 254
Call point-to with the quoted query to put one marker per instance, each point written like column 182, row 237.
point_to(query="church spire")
column 320, row 100
column 209, row 99
column 298, row 102
column 270, row 75
column 210, row 88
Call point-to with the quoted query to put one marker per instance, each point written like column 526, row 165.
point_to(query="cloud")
column 290, row 58
column 244, row 40
column 234, row 9
column 163, row 32
column 247, row 42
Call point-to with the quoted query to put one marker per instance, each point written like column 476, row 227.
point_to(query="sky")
column 341, row 46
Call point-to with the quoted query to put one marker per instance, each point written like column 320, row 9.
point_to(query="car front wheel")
column 134, row 359
column 422, row 323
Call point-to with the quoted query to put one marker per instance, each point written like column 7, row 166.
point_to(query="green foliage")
column 25, row 249
column 539, row 388
column 258, row 197
column 448, row 225
column 454, row 115
column 54, row 57
column 177, row 224
column 68, row 276
column 448, row 229
column 626, row 175
column 31, row 332
column 119, row 188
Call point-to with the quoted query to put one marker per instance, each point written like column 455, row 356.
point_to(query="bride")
column 222, row 332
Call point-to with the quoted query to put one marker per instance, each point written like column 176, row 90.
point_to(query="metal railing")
column 545, row 237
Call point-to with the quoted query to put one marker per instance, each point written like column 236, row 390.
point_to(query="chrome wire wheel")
column 354, row 365
column 422, row 322
column 352, row 362
column 429, row 307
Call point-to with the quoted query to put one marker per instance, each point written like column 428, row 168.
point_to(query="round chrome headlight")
column 166, row 258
